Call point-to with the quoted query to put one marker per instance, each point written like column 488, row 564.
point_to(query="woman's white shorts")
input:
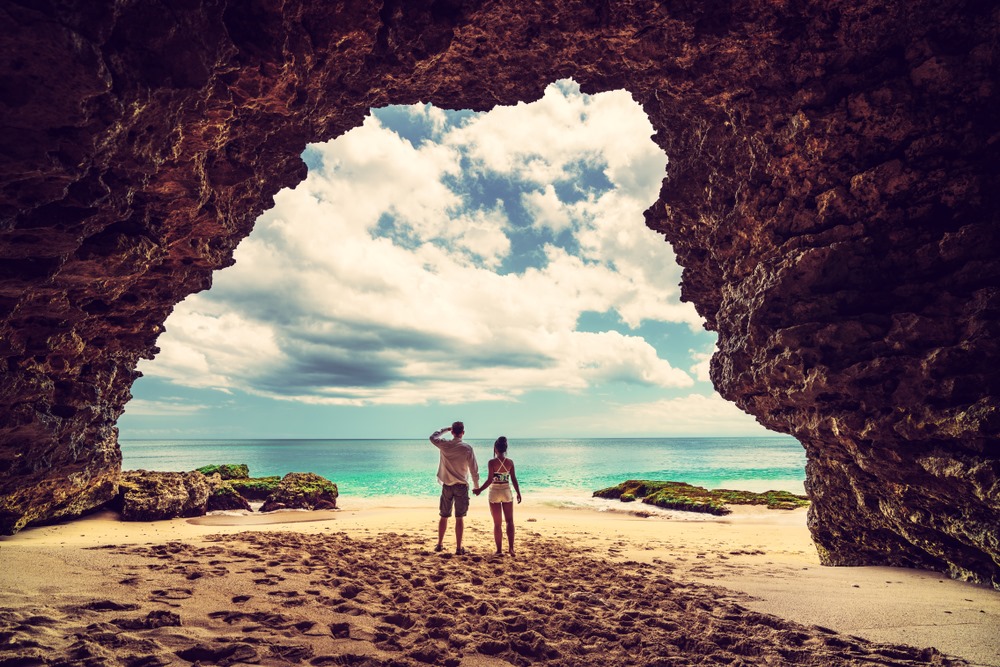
column 500, row 493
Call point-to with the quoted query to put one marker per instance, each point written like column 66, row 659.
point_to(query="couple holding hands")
column 458, row 462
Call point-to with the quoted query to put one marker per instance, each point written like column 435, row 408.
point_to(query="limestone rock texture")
column 225, row 497
column 227, row 471
column 152, row 496
column 302, row 491
column 832, row 195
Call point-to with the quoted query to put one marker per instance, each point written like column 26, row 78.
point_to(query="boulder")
column 255, row 488
column 686, row 497
column 151, row 496
column 227, row 470
column 302, row 490
column 225, row 497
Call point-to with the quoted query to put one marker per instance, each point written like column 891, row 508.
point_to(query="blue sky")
column 440, row 265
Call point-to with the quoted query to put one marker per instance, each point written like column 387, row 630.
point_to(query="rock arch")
column 832, row 197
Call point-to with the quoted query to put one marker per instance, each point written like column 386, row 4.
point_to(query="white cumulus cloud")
column 701, row 367
column 691, row 415
column 397, row 272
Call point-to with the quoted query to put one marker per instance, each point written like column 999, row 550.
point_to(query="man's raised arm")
column 436, row 438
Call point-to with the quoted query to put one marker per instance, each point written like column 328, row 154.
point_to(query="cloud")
column 389, row 276
column 701, row 368
column 212, row 350
column 691, row 415
column 543, row 142
column 547, row 209
column 164, row 407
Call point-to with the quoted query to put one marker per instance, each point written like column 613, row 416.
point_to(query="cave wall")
column 831, row 195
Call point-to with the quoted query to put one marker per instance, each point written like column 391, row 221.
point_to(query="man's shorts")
column 457, row 495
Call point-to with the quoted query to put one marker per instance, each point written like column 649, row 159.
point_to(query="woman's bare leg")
column 497, row 533
column 508, row 515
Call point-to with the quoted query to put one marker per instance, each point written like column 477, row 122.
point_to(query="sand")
column 363, row 586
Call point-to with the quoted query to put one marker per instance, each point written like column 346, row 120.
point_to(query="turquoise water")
column 370, row 468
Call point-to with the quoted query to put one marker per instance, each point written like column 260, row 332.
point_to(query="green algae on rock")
column 302, row 490
column 225, row 497
column 153, row 496
column 238, row 479
column 227, row 470
column 688, row 498
column 256, row 488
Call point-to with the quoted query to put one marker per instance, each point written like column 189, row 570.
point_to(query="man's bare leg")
column 459, row 529
column 442, row 529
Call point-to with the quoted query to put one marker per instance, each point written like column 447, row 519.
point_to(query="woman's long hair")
column 500, row 447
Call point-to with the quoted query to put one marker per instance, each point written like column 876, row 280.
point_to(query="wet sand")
column 364, row 587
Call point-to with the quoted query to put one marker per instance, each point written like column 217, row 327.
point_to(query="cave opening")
column 853, row 151
column 493, row 265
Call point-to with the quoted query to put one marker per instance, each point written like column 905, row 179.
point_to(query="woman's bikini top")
column 501, row 477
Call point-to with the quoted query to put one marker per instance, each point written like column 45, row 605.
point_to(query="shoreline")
column 761, row 560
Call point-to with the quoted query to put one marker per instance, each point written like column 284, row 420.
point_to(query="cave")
column 832, row 196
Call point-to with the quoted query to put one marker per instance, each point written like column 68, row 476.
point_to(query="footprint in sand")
column 109, row 605
column 152, row 620
column 400, row 620
column 349, row 591
column 224, row 655
column 262, row 619
column 171, row 594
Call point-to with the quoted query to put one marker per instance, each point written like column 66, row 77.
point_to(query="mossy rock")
column 225, row 497
column 774, row 500
column 145, row 495
column 256, row 488
column 634, row 488
column 302, row 490
column 688, row 498
column 227, row 470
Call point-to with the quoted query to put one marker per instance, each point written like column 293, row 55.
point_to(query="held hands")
column 477, row 490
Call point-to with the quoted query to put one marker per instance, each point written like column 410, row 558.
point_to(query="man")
column 458, row 461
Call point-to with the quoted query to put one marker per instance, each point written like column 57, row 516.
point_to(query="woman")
column 501, row 476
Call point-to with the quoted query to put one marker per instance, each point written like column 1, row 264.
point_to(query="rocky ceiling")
column 832, row 196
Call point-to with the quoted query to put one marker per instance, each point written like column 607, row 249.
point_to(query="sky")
column 442, row 265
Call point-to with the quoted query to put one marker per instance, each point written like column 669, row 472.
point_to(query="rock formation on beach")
column 832, row 196
column 302, row 490
column 153, row 496
column 226, row 497
column 145, row 495
column 227, row 471
column 685, row 497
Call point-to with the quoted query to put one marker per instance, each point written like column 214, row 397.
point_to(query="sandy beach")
column 363, row 586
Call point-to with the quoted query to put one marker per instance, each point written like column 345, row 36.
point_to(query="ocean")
column 555, row 470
